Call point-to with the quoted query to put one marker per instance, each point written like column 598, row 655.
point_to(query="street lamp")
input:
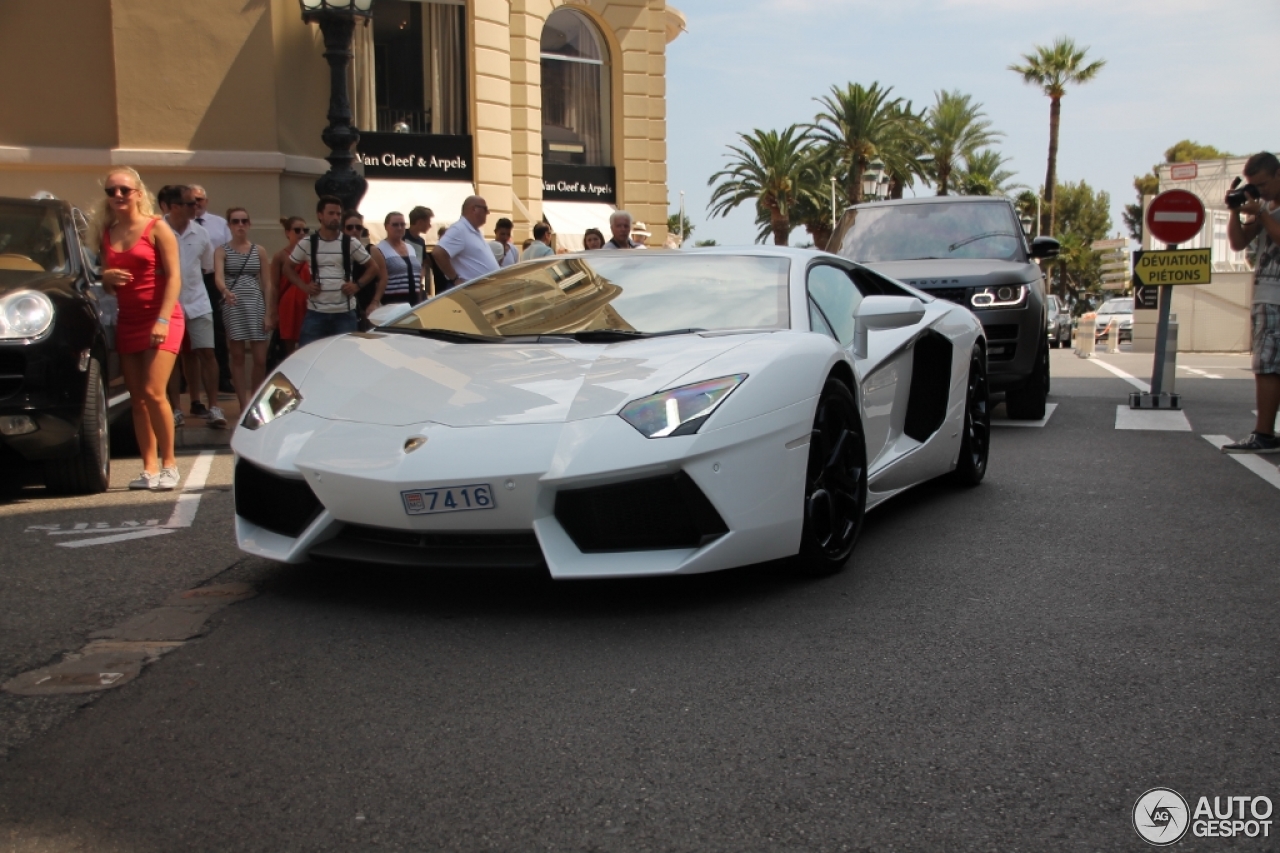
column 337, row 20
column 833, row 201
column 871, row 179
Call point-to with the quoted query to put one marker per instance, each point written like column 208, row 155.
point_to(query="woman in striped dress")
column 249, row 304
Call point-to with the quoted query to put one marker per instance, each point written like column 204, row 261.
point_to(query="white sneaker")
column 145, row 481
column 178, row 418
column 168, row 480
column 217, row 419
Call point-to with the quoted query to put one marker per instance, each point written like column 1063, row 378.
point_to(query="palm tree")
column 954, row 128
column 904, row 154
column 766, row 168
column 983, row 173
column 860, row 123
column 1053, row 69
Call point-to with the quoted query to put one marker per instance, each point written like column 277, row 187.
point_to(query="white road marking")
column 183, row 515
column 1199, row 372
column 1132, row 380
column 145, row 533
column 184, row 511
column 1172, row 420
column 1257, row 464
column 102, row 528
column 1007, row 422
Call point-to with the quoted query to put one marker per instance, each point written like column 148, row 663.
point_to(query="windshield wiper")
column 445, row 335
column 978, row 237
column 608, row 335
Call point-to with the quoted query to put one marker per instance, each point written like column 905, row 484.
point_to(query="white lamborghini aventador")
column 616, row 414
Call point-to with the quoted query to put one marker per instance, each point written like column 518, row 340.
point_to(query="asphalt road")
column 1004, row 668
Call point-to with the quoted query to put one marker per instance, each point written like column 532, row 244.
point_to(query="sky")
column 1176, row 69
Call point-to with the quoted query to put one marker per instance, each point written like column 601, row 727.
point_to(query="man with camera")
column 1260, row 199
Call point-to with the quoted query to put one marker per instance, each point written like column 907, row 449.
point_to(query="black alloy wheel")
column 975, row 441
column 89, row 470
column 835, row 487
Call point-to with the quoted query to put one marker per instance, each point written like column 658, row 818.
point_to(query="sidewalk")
column 195, row 433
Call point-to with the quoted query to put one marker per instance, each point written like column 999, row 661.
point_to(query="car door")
column 833, row 297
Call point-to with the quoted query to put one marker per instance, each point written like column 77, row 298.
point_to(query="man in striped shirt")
column 331, row 291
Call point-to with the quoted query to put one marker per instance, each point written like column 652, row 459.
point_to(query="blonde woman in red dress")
column 141, row 266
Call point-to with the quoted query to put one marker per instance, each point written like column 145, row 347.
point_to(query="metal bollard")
column 1113, row 336
column 1085, row 331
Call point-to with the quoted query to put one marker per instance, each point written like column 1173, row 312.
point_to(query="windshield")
column 1116, row 306
column 31, row 238
column 950, row 230
column 635, row 293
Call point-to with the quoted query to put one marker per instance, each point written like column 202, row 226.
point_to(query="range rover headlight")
column 277, row 398
column 680, row 411
column 25, row 314
column 1003, row 296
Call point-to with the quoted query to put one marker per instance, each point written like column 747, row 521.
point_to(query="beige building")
column 544, row 107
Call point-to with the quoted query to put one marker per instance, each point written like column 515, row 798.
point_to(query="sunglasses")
column 353, row 227
column 119, row 191
column 395, row 224
column 298, row 229
column 238, row 221
column 185, row 203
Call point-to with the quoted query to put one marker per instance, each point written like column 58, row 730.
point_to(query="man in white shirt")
column 331, row 291
column 195, row 250
column 462, row 253
column 620, row 227
column 220, row 235
column 541, row 245
column 503, row 252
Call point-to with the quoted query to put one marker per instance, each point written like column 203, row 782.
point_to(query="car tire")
column 975, row 441
column 89, row 470
column 1027, row 402
column 835, row 484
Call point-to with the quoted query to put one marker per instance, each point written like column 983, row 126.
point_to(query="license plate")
column 448, row 499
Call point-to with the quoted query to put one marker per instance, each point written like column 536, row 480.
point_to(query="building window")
column 575, row 92
column 411, row 68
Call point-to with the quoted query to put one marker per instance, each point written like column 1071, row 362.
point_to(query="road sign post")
column 1173, row 217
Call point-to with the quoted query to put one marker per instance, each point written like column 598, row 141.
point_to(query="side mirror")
column 386, row 313
column 883, row 312
column 1045, row 247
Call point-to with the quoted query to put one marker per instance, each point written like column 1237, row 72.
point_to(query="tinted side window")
column 817, row 322
column 833, row 291
column 874, row 284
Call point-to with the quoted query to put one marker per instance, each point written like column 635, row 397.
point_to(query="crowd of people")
column 199, row 301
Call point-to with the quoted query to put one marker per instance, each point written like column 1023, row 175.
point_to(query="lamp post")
column 337, row 20
column 871, row 180
column 833, row 201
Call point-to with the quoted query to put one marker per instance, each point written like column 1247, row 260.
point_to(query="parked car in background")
column 969, row 250
column 1057, row 323
column 60, row 382
column 1119, row 311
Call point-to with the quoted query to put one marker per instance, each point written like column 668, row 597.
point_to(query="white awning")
column 385, row 195
column 571, row 219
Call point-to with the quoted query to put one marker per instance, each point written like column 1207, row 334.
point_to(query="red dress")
column 140, row 299
column 293, row 304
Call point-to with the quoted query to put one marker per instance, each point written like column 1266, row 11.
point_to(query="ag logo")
column 1161, row 817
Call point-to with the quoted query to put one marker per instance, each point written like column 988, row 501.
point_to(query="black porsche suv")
column 59, row 377
column 969, row 250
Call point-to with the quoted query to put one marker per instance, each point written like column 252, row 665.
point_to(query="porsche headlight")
column 680, row 411
column 25, row 314
column 277, row 398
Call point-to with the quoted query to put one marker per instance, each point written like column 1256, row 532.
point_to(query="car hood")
column 927, row 274
column 1104, row 319
column 396, row 379
column 47, row 282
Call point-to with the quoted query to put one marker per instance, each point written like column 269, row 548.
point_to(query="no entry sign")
column 1175, row 216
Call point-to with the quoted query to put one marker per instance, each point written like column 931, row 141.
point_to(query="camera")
column 1238, row 197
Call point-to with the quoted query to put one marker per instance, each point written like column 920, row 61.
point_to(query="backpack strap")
column 315, row 257
column 346, row 256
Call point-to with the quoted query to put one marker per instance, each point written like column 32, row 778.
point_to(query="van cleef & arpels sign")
column 414, row 156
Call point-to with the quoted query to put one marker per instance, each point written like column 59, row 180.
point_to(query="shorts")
column 1266, row 337
column 199, row 333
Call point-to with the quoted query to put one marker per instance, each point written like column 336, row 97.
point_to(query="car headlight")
column 680, row 411
column 1004, row 296
column 277, row 398
column 25, row 314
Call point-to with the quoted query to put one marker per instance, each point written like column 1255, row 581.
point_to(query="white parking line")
column 1199, row 372
column 183, row 515
column 1007, row 422
column 1111, row 368
column 1257, row 464
column 1171, row 420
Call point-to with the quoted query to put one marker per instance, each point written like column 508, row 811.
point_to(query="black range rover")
column 59, row 379
column 969, row 250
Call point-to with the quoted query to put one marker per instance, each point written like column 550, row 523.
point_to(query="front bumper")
column 1013, row 343
column 42, row 380
column 357, row 473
